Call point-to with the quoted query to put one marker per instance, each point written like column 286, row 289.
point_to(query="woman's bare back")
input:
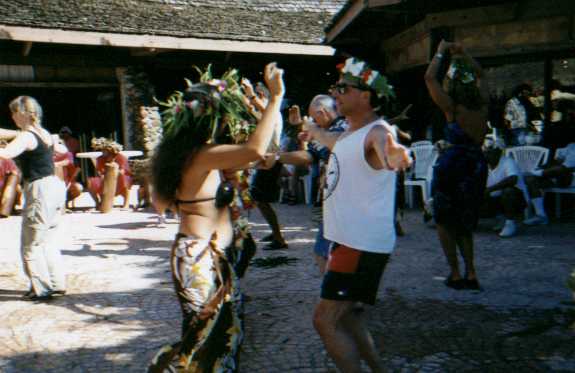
column 202, row 219
column 472, row 122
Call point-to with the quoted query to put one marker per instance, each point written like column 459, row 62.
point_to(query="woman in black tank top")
column 32, row 147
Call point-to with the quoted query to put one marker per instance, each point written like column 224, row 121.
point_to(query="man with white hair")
column 323, row 112
column 506, row 192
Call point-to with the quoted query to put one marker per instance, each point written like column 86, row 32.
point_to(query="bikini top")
column 224, row 196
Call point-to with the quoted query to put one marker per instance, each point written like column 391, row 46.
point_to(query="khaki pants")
column 42, row 261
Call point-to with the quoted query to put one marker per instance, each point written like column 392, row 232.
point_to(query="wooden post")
column 548, row 76
column 109, row 188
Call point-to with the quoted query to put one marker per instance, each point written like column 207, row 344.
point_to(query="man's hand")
column 232, row 176
column 273, row 77
column 269, row 161
column 456, row 49
column 397, row 156
column 294, row 117
column 307, row 129
column 247, row 87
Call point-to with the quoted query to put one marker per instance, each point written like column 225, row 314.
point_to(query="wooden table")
column 94, row 155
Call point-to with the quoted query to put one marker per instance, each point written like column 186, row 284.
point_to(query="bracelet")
column 439, row 55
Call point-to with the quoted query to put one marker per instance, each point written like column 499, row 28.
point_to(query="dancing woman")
column 45, row 196
column 200, row 140
column 461, row 171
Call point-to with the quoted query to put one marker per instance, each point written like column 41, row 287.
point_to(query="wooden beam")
column 473, row 16
column 26, row 48
column 416, row 53
column 148, row 52
column 379, row 3
column 158, row 42
column 516, row 37
column 405, row 37
column 351, row 14
column 548, row 75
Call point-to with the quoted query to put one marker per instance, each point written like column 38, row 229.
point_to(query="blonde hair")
column 27, row 105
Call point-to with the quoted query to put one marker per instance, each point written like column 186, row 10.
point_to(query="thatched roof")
column 284, row 21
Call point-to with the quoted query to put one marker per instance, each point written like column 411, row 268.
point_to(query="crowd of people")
column 220, row 128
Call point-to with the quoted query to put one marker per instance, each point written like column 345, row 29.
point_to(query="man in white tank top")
column 358, row 214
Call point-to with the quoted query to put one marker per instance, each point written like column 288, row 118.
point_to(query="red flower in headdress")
column 365, row 75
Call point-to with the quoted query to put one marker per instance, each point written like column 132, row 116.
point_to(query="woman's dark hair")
column 465, row 94
column 179, row 146
column 520, row 88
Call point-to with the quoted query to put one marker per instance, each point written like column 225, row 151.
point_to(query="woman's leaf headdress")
column 461, row 70
column 210, row 105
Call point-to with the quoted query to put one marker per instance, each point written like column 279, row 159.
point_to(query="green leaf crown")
column 210, row 105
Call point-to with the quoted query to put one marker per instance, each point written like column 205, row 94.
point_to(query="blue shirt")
column 320, row 152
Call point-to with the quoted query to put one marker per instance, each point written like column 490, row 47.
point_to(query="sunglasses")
column 343, row 88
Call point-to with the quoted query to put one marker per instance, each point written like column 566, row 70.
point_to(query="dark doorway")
column 87, row 111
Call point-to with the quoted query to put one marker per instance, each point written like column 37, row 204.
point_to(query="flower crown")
column 355, row 70
column 462, row 71
column 210, row 105
column 102, row 143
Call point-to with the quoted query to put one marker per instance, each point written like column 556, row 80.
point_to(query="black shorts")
column 266, row 184
column 352, row 275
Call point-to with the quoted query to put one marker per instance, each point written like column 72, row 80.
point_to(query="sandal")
column 472, row 284
column 268, row 238
column 454, row 284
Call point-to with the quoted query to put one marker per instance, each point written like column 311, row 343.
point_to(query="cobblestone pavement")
column 120, row 307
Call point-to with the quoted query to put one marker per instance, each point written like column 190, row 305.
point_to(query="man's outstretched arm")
column 311, row 131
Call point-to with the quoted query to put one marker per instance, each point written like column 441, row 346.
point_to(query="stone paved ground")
column 120, row 308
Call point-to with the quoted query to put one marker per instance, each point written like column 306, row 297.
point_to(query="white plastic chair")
column 425, row 157
column 420, row 143
column 559, row 154
column 528, row 157
column 307, row 185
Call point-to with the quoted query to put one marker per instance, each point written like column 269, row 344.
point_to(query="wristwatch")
column 277, row 157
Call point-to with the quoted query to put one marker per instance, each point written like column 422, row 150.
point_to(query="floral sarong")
column 209, row 295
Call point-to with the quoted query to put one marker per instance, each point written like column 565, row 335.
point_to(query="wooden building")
column 91, row 63
column 516, row 40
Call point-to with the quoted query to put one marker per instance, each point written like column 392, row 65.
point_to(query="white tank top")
column 359, row 201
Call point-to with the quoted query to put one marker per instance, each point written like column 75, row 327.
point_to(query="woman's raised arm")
column 232, row 156
column 438, row 95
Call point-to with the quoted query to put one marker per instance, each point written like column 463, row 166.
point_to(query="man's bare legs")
column 321, row 263
column 345, row 336
column 354, row 323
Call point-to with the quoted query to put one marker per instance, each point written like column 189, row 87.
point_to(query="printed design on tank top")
column 331, row 176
